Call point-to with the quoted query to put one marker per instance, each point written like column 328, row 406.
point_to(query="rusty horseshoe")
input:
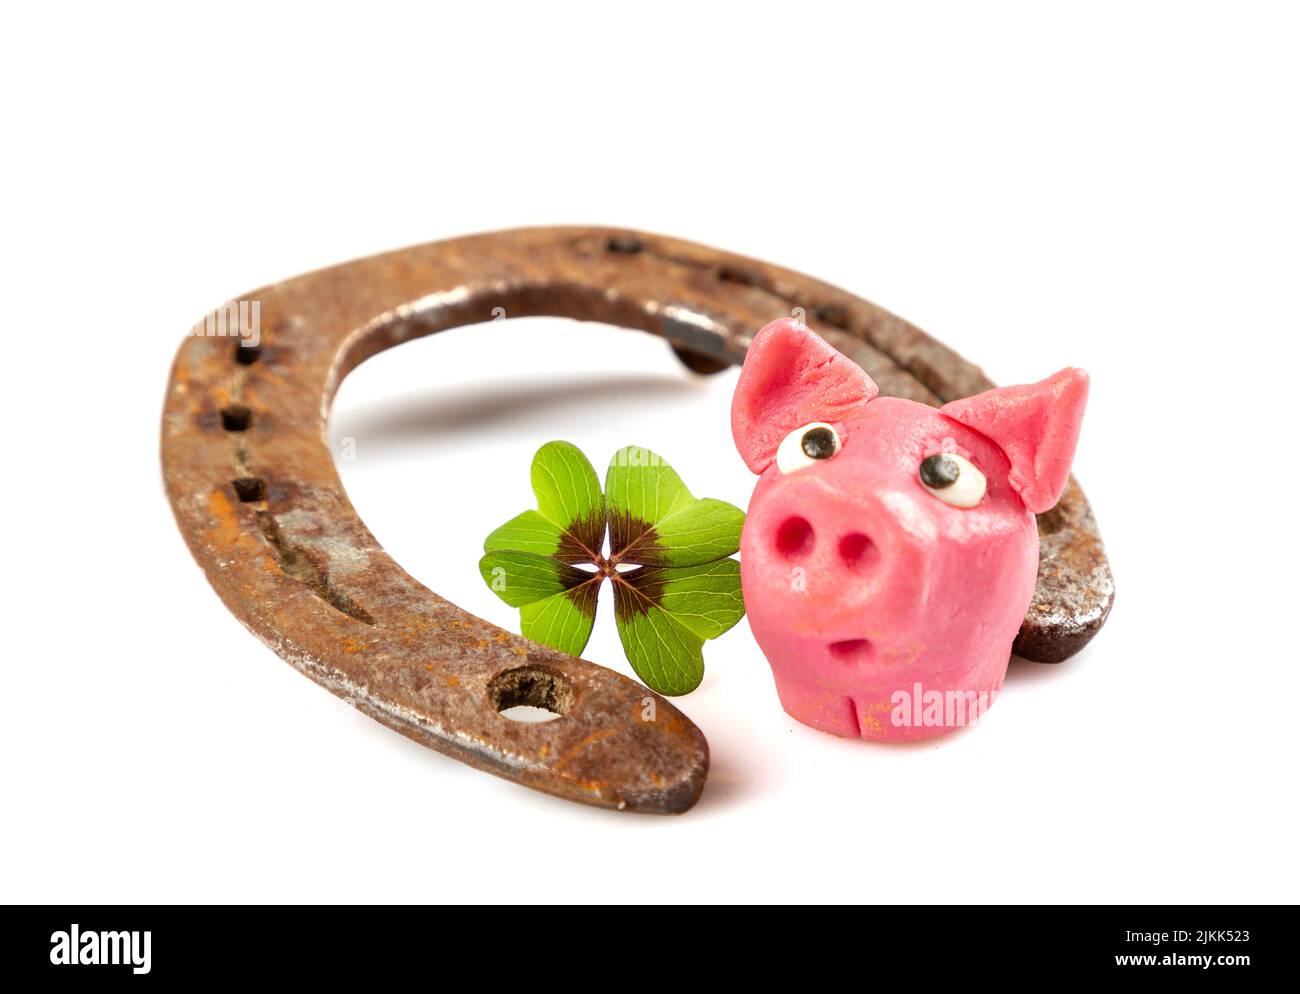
column 257, row 498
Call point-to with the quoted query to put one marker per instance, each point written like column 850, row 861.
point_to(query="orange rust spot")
column 597, row 787
column 413, row 627
column 429, row 667
column 227, row 521
column 481, row 644
column 351, row 644
column 228, row 530
column 269, row 377
column 453, row 681
column 502, row 637
column 591, row 739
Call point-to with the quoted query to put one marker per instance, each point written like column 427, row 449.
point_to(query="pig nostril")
column 794, row 537
column 858, row 551
column 853, row 650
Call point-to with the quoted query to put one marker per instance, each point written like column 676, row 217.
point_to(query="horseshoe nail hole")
column 521, row 693
column 527, row 715
column 624, row 245
column 728, row 275
column 246, row 355
column 236, row 417
column 250, row 489
column 858, row 551
column 795, row 537
column 853, row 650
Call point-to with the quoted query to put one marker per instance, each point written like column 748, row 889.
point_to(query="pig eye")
column 952, row 479
column 807, row 445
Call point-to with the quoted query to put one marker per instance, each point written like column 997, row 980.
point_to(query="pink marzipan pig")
column 890, row 551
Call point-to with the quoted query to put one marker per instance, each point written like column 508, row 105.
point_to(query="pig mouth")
column 853, row 650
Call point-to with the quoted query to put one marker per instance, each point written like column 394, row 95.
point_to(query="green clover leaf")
column 675, row 585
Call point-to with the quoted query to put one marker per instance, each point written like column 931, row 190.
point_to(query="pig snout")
column 841, row 566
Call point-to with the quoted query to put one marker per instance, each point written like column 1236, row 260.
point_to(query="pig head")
column 890, row 552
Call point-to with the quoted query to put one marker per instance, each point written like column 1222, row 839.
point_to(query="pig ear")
column 791, row 377
column 1037, row 427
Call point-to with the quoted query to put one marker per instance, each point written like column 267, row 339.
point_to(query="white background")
column 1112, row 186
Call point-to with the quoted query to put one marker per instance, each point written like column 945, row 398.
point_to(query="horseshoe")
column 257, row 498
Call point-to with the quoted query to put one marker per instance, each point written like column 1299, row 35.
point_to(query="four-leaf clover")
column 675, row 585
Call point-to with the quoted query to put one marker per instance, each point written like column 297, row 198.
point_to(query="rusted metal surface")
column 258, row 499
